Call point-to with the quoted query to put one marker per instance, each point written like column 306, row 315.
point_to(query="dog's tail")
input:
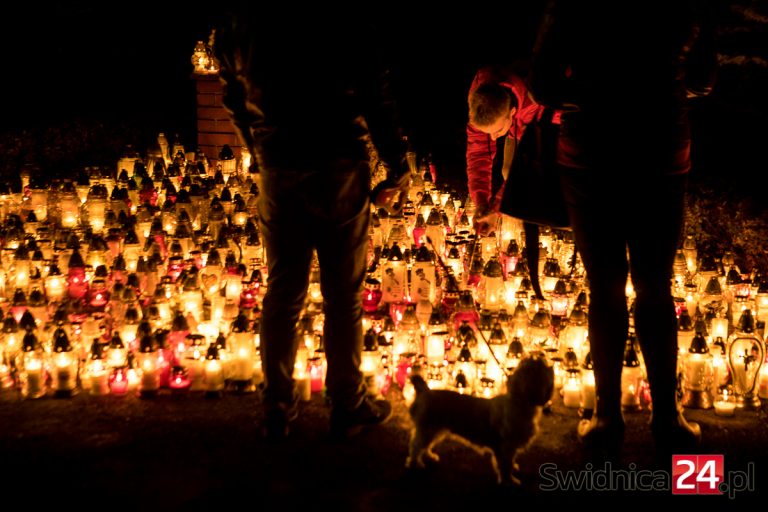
column 419, row 384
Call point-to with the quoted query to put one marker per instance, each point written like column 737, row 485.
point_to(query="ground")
column 175, row 452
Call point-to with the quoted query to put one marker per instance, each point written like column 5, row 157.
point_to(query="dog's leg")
column 496, row 468
column 421, row 446
column 506, row 456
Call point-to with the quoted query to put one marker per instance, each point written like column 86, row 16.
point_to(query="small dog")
column 503, row 425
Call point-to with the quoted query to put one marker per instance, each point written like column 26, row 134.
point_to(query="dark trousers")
column 626, row 225
column 326, row 210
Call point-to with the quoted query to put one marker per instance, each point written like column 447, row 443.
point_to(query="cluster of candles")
column 145, row 280
column 150, row 280
column 459, row 309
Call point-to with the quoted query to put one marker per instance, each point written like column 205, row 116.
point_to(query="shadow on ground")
column 190, row 452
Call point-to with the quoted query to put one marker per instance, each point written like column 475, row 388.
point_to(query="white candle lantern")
column 214, row 371
column 65, row 363
column 492, row 284
column 465, row 371
column 38, row 200
column 515, row 353
column 97, row 371
column 69, row 206
column 394, row 276
column 435, row 349
column 571, row 390
column 698, row 373
column 370, row 357
column 631, row 378
column 559, row 299
column 148, row 360
column 685, row 331
column 117, row 355
column 587, row 403
column 194, row 361
column 550, row 275
column 746, row 353
column 423, row 277
column 242, row 347
column 720, row 327
column 55, row 283
column 33, row 374
column 540, row 329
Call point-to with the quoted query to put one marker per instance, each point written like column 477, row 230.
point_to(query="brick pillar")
column 214, row 128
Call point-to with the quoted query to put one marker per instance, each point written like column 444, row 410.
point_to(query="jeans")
column 326, row 209
column 634, row 228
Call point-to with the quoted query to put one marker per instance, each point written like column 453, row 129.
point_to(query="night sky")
column 130, row 63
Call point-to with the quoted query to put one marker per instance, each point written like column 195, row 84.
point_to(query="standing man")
column 306, row 98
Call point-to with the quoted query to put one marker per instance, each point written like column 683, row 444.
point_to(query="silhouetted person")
column 499, row 110
column 622, row 72
column 307, row 96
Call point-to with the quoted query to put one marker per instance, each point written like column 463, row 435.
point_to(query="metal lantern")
column 423, row 276
column 394, row 276
column 574, row 335
column 193, row 361
column 698, row 373
column 515, row 353
column 465, row 365
column 117, row 353
column 436, row 231
column 77, row 284
column 370, row 356
column 148, row 360
column 571, row 390
column 466, row 311
column 540, row 330
column 242, row 347
column 491, row 288
column 685, row 330
column 33, row 374
column 214, row 371
column 551, row 274
column 435, row 347
column 64, row 364
column 97, row 371
column 408, row 333
column 631, row 377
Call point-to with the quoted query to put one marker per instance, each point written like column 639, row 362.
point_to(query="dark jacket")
column 623, row 72
column 305, row 90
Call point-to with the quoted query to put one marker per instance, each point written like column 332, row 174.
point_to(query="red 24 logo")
column 697, row 474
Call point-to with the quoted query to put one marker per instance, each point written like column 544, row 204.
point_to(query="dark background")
column 128, row 65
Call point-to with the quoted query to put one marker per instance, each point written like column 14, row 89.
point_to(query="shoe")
column 277, row 418
column 602, row 435
column 370, row 412
column 675, row 434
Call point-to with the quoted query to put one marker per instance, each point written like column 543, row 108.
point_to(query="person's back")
column 307, row 83
column 630, row 68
